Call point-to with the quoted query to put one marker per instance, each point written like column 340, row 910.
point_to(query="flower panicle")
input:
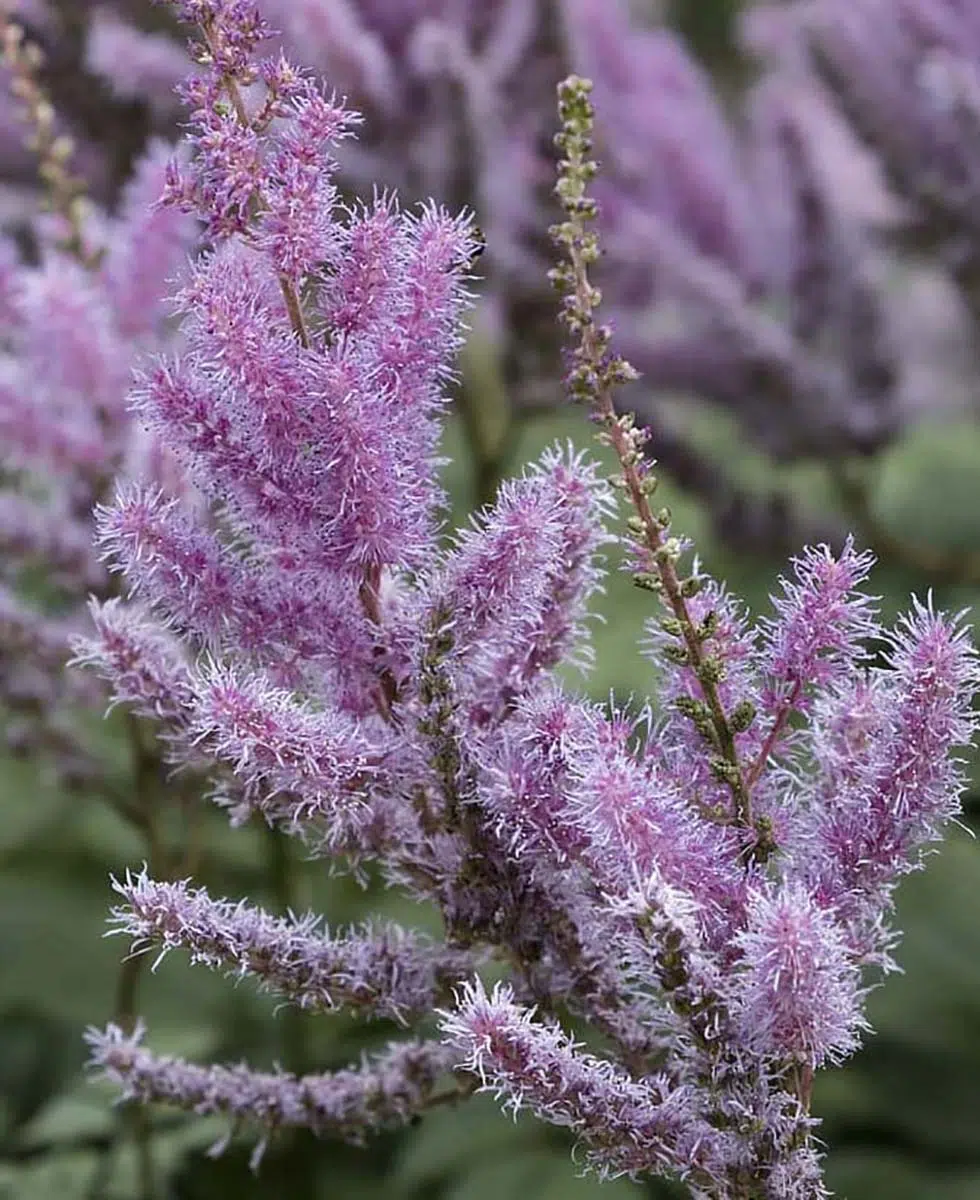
column 380, row 971
column 386, row 1092
column 704, row 878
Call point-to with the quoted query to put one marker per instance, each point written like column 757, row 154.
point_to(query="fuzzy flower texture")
column 705, row 884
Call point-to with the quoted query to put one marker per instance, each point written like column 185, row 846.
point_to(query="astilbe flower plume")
column 711, row 230
column 705, row 882
column 74, row 324
column 741, row 272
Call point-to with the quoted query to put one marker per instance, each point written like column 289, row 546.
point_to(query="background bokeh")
column 899, row 1120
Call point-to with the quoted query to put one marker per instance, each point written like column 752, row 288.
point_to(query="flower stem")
column 595, row 374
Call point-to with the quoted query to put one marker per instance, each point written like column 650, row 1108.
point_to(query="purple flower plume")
column 798, row 994
column 824, row 624
column 705, row 879
column 518, row 583
column 72, row 331
column 382, row 971
column 383, row 1093
column 534, row 1064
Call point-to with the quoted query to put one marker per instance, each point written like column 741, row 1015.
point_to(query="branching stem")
column 293, row 307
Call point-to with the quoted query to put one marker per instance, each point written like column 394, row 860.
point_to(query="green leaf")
column 38, row 1055
column 521, row 1174
column 867, row 1175
column 541, row 1174
column 65, row 1176
column 449, row 1142
column 927, row 490
column 28, row 807
column 78, row 1114
column 916, row 1079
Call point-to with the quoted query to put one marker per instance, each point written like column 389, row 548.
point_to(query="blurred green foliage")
column 708, row 26
column 899, row 1120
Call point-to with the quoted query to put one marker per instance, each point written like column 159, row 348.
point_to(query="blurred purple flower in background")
column 72, row 335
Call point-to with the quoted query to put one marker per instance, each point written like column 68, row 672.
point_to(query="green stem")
column 280, row 866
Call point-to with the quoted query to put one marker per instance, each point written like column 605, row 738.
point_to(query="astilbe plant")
column 907, row 79
column 780, row 319
column 458, row 101
column 74, row 322
column 704, row 884
column 900, row 84
column 458, row 95
column 109, row 121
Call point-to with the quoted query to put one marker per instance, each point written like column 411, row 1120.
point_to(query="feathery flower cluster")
column 346, row 1104
column 385, row 972
column 710, row 234
column 706, row 884
column 74, row 324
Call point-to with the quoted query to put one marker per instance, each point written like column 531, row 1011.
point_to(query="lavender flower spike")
column 652, row 1126
column 704, row 881
column 799, row 994
column 382, row 971
column 385, row 1092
